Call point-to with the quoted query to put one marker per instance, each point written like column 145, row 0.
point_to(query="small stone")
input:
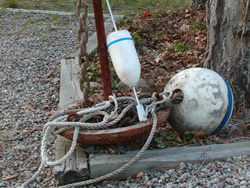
column 240, row 170
column 248, row 176
column 145, row 179
column 221, row 185
column 215, row 181
column 95, row 85
column 170, row 171
column 38, row 179
column 149, row 183
column 229, row 180
column 163, row 178
column 110, row 186
column 140, row 175
column 243, row 182
column 182, row 166
column 154, row 180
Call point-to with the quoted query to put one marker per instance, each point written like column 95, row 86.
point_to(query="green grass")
column 28, row 24
column 12, row 4
column 181, row 46
column 198, row 25
column 138, row 6
column 54, row 17
column 119, row 6
column 56, row 5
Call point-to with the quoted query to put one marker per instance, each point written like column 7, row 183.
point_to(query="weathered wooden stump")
column 75, row 168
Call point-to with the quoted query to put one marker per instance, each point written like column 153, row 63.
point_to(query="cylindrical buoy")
column 207, row 101
column 124, row 57
column 126, row 62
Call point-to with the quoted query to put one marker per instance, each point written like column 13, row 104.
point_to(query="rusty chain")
column 83, row 57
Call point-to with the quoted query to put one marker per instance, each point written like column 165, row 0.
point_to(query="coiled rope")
column 58, row 122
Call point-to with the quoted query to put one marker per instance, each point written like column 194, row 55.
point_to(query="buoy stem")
column 136, row 97
column 140, row 110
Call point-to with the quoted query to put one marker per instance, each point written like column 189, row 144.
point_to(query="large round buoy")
column 207, row 103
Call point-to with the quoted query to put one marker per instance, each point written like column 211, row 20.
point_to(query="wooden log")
column 164, row 158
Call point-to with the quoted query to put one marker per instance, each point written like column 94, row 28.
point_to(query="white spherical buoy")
column 207, row 103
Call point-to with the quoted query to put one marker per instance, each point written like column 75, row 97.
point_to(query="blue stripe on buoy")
column 118, row 40
column 229, row 109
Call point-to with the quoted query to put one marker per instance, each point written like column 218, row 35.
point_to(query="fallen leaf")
column 111, row 150
column 28, row 107
column 10, row 177
column 45, row 107
column 160, row 57
column 145, row 14
column 50, row 73
column 32, row 121
column 200, row 134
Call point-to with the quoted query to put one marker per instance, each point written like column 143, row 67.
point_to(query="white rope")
column 128, row 164
column 111, row 14
column 58, row 122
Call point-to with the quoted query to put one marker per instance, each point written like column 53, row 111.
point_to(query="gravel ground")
column 233, row 172
column 32, row 46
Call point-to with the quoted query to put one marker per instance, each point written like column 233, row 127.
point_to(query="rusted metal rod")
column 102, row 49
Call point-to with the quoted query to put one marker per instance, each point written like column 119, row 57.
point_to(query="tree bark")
column 228, row 47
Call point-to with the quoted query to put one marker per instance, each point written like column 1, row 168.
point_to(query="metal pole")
column 102, row 49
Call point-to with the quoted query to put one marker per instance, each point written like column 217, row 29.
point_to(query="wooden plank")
column 164, row 158
column 69, row 82
column 75, row 168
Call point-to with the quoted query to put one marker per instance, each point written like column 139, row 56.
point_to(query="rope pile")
column 58, row 124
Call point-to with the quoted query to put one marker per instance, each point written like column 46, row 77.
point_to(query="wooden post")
column 102, row 49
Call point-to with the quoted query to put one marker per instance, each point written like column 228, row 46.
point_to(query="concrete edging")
column 164, row 158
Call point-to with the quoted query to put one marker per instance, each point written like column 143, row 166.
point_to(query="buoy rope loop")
column 57, row 124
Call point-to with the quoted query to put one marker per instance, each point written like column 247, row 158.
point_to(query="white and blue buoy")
column 125, row 60
column 207, row 101
column 124, row 57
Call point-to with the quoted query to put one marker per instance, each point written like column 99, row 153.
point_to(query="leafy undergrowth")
column 168, row 43
column 166, row 137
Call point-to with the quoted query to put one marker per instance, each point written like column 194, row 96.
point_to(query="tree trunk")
column 228, row 47
column 199, row 2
